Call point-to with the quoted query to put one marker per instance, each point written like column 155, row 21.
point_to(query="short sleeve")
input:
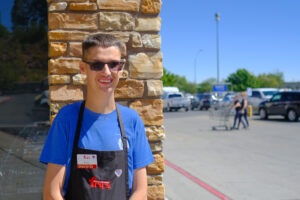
column 142, row 155
column 55, row 148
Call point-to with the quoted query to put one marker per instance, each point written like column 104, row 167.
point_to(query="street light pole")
column 195, row 66
column 217, row 16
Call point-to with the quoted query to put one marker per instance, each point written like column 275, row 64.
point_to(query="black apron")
column 105, row 178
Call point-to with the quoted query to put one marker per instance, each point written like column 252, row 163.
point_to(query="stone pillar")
column 136, row 23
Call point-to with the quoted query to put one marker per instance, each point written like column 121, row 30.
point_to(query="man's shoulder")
column 128, row 112
column 69, row 111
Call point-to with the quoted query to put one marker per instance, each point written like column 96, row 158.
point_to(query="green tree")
column 274, row 80
column 242, row 79
column 24, row 51
column 170, row 79
column 26, row 12
column 206, row 85
column 4, row 33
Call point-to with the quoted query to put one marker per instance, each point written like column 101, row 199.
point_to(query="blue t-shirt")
column 100, row 132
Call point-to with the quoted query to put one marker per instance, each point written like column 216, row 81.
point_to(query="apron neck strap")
column 125, row 149
column 78, row 129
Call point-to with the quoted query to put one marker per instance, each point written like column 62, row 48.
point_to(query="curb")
column 5, row 99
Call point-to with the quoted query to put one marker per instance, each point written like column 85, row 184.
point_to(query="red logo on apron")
column 100, row 184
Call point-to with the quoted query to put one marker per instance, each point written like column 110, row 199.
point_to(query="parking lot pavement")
column 20, row 171
column 259, row 163
column 4, row 99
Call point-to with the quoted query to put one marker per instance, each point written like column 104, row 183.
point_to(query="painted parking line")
column 196, row 180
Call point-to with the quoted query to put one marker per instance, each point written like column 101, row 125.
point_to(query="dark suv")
column 286, row 104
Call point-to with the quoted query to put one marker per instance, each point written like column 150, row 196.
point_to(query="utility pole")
column 217, row 16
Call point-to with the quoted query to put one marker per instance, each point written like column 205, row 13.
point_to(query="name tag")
column 86, row 161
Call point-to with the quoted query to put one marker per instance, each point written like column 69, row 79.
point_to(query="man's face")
column 105, row 80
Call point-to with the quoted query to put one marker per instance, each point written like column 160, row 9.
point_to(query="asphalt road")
column 21, row 141
column 260, row 163
column 20, row 110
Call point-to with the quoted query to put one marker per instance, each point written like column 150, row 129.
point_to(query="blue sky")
column 5, row 8
column 262, row 36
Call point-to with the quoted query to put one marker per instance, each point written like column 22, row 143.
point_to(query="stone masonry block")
column 57, row 6
column 136, row 40
column 151, row 41
column 66, row 93
column 155, row 133
column 64, row 66
column 158, row 166
column 150, row 110
column 148, row 24
column 83, row 6
column 154, row 179
column 122, row 5
column 116, row 21
column 143, row 66
column 129, row 89
column 156, row 192
column 123, row 36
column 69, row 0
column 72, row 21
column 67, row 35
column 55, row 107
column 75, row 49
column 79, row 79
column 52, row 117
column 57, row 49
column 151, row 6
column 59, row 79
column 124, row 74
column 156, row 146
column 154, row 88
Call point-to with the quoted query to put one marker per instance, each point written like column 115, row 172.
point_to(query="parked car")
column 194, row 101
column 286, row 104
column 175, row 101
column 170, row 89
column 259, row 95
column 207, row 100
column 227, row 100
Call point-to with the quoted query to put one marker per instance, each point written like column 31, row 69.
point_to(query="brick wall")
column 136, row 23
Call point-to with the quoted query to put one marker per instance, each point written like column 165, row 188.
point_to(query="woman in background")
column 244, row 111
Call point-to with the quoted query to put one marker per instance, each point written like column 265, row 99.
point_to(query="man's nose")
column 105, row 69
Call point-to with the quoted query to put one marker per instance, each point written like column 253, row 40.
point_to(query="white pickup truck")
column 175, row 101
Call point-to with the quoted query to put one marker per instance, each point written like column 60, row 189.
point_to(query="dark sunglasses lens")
column 97, row 66
column 115, row 66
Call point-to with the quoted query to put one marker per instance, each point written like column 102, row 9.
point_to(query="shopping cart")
column 222, row 115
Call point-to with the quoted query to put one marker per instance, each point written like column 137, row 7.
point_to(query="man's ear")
column 82, row 67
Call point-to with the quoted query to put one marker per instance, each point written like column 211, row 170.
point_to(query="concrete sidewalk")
column 21, row 174
column 259, row 163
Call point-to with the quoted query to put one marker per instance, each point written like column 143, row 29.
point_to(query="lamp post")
column 217, row 16
column 195, row 66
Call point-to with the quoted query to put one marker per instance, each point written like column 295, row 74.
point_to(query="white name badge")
column 86, row 161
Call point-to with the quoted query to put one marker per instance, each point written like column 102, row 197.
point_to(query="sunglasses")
column 113, row 65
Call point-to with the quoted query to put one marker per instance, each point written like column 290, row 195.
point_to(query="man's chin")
column 106, row 89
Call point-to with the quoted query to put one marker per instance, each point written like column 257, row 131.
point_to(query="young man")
column 96, row 149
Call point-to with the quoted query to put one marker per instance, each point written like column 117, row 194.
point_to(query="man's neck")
column 100, row 103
